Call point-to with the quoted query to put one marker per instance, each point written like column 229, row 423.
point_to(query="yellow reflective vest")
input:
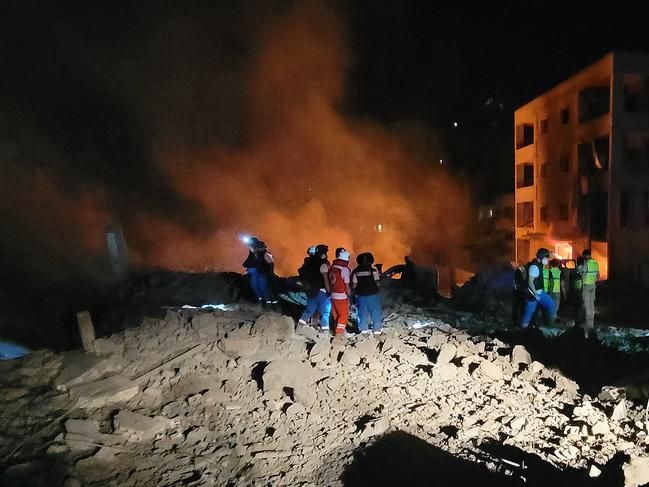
column 592, row 270
column 552, row 280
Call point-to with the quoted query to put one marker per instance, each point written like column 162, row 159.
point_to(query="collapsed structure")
column 241, row 398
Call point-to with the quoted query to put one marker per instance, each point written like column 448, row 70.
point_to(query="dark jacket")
column 366, row 285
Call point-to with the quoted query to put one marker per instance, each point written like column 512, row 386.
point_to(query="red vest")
column 336, row 278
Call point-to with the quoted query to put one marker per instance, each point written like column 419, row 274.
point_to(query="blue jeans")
column 259, row 284
column 545, row 301
column 369, row 307
column 321, row 303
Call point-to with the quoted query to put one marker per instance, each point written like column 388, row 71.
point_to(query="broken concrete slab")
column 274, row 325
column 239, row 347
column 137, row 427
column 105, row 392
column 445, row 372
column 446, row 353
column 490, row 370
column 320, row 351
column 83, row 367
column 288, row 373
column 350, row 357
column 520, row 355
column 636, row 472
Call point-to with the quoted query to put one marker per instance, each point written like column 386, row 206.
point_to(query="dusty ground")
column 239, row 398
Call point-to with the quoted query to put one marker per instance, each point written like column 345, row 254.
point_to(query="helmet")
column 311, row 250
column 343, row 255
column 366, row 258
column 543, row 253
column 321, row 249
column 258, row 245
column 339, row 250
column 586, row 253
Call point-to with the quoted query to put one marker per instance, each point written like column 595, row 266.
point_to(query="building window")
column 594, row 102
column 564, row 163
column 525, row 214
column 565, row 116
column 544, row 126
column 544, row 170
column 563, row 212
column 524, row 175
column 636, row 150
column 544, row 213
column 524, row 135
column 625, row 208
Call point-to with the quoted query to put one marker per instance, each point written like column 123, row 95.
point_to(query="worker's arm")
column 354, row 281
column 271, row 262
column 531, row 275
column 324, row 270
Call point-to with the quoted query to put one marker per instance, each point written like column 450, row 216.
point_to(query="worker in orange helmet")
column 339, row 279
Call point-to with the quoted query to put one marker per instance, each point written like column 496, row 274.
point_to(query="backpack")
column 310, row 276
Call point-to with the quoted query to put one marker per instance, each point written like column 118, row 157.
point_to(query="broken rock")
column 447, row 353
column 444, row 372
column 288, row 373
column 350, row 357
column 274, row 325
column 490, row 371
column 239, row 347
column 636, row 472
column 136, row 427
column 320, row 351
column 104, row 392
column 521, row 356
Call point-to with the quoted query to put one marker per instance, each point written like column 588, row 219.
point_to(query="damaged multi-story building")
column 582, row 168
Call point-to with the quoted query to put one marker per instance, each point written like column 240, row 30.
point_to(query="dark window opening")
column 524, row 135
column 544, row 170
column 636, row 93
column 564, row 163
column 625, row 208
column 593, row 155
column 563, row 212
column 525, row 214
column 544, row 126
column 598, row 210
column 594, row 102
column 544, row 213
column 565, row 116
column 636, row 150
column 524, row 175
column 523, row 249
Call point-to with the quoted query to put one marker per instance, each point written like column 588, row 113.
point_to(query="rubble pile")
column 241, row 398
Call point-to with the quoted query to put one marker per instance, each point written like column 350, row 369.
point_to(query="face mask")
column 545, row 261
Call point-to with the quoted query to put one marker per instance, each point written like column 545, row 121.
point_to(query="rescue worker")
column 314, row 276
column 339, row 279
column 589, row 272
column 576, row 285
column 534, row 292
column 260, row 268
column 365, row 285
column 552, row 282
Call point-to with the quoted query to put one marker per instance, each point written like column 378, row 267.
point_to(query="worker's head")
column 366, row 258
column 321, row 251
column 311, row 250
column 586, row 254
column 258, row 245
column 339, row 250
column 543, row 255
column 343, row 255
column 554, row 263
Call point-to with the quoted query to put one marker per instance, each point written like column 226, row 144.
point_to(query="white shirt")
column 324, row 269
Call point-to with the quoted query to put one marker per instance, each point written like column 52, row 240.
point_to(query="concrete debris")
column 105, row 392
column 240, row 398
column 521, row 356
column 636, row 472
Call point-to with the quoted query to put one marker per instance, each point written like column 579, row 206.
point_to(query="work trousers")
column 341, row 314
column 588, row 305
column 556, row 297
column 369, row 307
column 322, row 303
column 545, row 301
column 259, row 284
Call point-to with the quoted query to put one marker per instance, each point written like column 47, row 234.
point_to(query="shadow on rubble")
column 402, row 459
column 588, row 362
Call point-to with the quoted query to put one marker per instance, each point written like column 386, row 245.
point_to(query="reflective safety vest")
column 592, row 269
column 552, row 280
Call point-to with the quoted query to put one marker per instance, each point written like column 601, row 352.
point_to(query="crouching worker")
column 365, row 279
column 535, row 294
column 314, row 276
column 340, row 279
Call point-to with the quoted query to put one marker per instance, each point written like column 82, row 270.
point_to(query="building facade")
column 582, row 168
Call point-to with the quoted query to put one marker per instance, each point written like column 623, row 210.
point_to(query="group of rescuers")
column 538, row 284
column 329, row 287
